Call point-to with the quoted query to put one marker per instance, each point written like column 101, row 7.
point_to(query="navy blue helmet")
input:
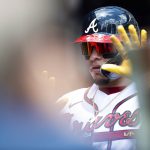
column 102, row 22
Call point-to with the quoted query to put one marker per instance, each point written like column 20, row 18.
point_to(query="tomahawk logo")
column 92, row 25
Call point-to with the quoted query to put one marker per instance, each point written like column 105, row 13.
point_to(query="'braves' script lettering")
column 126, row 119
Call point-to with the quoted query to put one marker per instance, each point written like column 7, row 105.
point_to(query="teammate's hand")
column 127, row 43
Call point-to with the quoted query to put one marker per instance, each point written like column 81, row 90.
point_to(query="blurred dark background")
column 140, row 9
column 79, row 8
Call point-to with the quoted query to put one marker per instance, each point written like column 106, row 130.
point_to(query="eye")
column 109, row 55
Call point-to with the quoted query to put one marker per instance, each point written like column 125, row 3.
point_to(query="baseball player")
column 107, row 114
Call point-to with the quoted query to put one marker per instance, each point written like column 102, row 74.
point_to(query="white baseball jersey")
column 108, row 121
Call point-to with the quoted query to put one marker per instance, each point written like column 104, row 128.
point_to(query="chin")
column 101, row 80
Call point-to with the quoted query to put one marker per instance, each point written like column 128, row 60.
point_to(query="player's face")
column 98, row 54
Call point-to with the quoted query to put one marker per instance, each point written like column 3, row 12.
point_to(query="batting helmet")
column 100, row 23
column 97, row 28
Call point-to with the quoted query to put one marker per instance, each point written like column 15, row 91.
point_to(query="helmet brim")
column 99, row 38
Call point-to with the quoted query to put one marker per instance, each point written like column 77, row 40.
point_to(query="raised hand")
column 127, row 42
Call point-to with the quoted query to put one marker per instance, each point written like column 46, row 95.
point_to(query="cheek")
column 104, row 59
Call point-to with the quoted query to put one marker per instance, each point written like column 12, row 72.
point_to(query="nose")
column 95, row 56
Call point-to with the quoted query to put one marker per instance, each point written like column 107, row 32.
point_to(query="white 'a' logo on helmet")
column 92, row 25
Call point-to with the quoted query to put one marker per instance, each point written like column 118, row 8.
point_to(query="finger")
column 112, row 68
column 143, row 37
column 116, row 42
column 124, row 37
column 124, row 69
column 134, row 36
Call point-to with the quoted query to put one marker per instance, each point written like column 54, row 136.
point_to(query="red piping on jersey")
column 107, row 90
column 90, row 101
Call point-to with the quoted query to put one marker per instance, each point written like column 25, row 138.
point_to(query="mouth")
column 95, row 68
